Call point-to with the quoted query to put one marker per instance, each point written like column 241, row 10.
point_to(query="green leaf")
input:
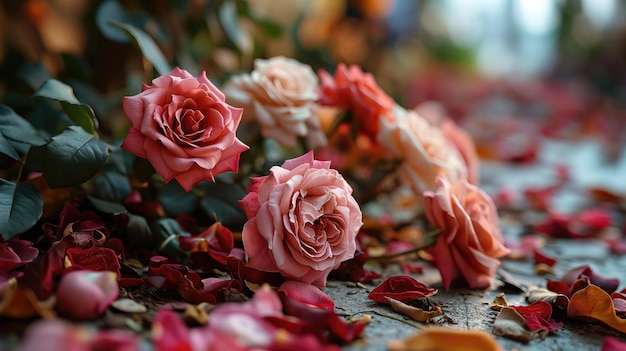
column 165, row 232
column 107, row 206
column 221, row 202
column 81, row 114
column 7, row 149
column 229, row 22
column 175, row 200
column 148, row 47
column 17, row 129
column 21, row 207
column 73, row 157
column 113, row 186
column 34, row 74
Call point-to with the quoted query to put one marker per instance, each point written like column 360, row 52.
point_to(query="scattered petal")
column 593, row 302
column 446, row 339
column 86, row 294
column 129, row 306
column 510, row 324
column 612, row 344
column 402, row 288
column 415, row 313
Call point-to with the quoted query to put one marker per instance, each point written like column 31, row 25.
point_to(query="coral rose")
column 470, row 241
column 184, row 127
column 352, row 89
column 280, row 95
column 302, row 220
column 423, row 150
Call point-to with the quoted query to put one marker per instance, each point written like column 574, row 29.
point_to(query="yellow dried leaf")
column 446, row 339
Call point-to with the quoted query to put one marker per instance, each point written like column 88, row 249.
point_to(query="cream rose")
column 280, row 94
column 470, row 241
column 184, row 127
column 302, row 220
column 422, row 148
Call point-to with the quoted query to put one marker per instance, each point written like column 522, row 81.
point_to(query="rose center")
column 190, row 121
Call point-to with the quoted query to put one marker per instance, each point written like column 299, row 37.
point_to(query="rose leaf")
column 20, row 207
column 73, row 157
column 81, row 114
column 148, row 47
column 17, row 129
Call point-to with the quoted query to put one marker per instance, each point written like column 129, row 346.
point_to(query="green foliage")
column 20, row 208
column 73, row 157
column 148, row 47
column 165, row 232
column 221, row 203
column 80, row 113
column 17, row 129
column 175, row 200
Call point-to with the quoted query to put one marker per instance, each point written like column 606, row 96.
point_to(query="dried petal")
column 593, row 302
column 510, row 324
column 537, row 316
column 415, row 313
column 446, row 339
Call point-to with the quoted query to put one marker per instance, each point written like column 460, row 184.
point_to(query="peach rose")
column 470, row 241
column 423, row 150
column 184, row 127
column 280, row 95
column 435, row 114
column 352, row 89
column 302, row 220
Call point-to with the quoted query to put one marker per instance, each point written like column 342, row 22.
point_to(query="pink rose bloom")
column 302, row 220
column 352, row 89
column 435, row 114
column 470, row 241
column 423, row 150
column 15, row 253
column 280, row 95
column 184, row 127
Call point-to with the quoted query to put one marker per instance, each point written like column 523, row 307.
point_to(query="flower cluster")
column 288, row 163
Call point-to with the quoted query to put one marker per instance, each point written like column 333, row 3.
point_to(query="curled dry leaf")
column 498, row 302
column 510, row 324
column 416, row 313
column 593, row 302
column 558, row 301
column 446, row 339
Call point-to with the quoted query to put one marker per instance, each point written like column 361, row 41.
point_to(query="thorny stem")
column 429, row 240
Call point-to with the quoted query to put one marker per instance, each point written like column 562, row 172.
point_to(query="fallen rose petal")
column 86, row 294
column 498, row 302
column 510, row 324
column 537, row 316
column 446, row 339
column 619, row 305
column 607, row 284
column 18, row 302
column 15, row 253
column 593, row 302
column 612, row 344
column 92, row 259
column 541, row 258
column 307, row 294
column 415, row 313
column 402, row 288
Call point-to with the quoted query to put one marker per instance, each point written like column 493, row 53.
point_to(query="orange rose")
column 423, row 150
column 470, row 241
column 357, row 91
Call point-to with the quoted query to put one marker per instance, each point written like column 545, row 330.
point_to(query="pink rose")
column 470, row 241
column 423, row 150
column 352, row 89
column 302, row 220
column 280, row 95
column 435, row 114
column 184, row 127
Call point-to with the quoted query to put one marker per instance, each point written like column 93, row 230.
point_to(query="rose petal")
column 446, row 339
column 593, row 302
column 402, row 288
column 86, row 294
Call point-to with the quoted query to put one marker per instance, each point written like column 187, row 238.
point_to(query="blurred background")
column 512, row 72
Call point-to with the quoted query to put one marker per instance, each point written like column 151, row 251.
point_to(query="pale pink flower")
column 302, row 220
column 86, row 294
column 280, row 94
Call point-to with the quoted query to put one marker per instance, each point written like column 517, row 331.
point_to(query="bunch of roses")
column 302, row 217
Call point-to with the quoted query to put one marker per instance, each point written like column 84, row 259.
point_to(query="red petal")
column 307, row 294
column 540, row 257
column 402, row 288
